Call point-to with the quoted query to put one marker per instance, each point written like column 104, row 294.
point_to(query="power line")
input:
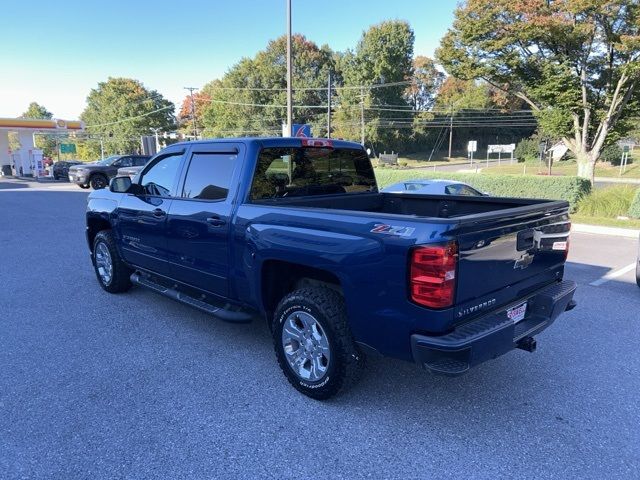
column 129, row 118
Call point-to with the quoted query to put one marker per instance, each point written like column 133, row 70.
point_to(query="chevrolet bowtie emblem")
column 523, row 262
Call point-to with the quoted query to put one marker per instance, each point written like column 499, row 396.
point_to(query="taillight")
column 432, row 275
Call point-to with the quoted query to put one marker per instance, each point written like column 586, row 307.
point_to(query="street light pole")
column 289, row 72
column 329, row 107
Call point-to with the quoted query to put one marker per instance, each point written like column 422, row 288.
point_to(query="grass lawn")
column 421, row 159
column 564, row 168
column 606, row 222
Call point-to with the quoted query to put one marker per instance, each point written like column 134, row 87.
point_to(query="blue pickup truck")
column 295, row 231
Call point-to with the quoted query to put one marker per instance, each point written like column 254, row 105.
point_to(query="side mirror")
column 120, row 185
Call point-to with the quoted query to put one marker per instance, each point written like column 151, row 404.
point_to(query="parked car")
column 129, row 171
column 97, row 174
column 438, row 187
column 294, row 231
column 61, row 168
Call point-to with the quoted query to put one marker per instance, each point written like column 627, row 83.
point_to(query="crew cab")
column 295, row 231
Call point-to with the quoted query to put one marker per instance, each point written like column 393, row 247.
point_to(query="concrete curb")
column 599, row 230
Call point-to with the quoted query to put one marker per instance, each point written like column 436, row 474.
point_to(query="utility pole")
column 329, row 107
column 193, row 111
column 155, row 131
column 450, row 132
column 362, row 116
column 289, row 73
column 101, row 148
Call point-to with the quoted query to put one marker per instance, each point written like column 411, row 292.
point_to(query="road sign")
column 625, row 148
column 67, row 148
column 301, row 131
column 472, row 146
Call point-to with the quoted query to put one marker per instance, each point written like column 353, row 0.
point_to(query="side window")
column 160, row 178
column 139, row 161
column 459, row 189
column 209, row 176
column 125, row 162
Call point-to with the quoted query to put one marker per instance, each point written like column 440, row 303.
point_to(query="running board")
column 223, row 313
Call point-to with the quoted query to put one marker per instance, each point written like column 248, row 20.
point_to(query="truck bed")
column 428, row 206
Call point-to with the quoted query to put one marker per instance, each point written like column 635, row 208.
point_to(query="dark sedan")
column 61, row 168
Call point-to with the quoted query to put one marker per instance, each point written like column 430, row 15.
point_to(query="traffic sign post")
column 472, row 146
column 68, row 148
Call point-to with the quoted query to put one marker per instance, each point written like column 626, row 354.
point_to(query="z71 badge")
column 392, row 230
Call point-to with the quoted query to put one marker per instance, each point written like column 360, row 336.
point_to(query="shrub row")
column 571, row 189
column 634, row 208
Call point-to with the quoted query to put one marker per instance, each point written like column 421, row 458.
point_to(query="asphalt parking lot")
column 94, row 385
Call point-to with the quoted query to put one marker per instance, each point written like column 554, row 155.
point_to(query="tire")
column 98, row 181
column 343, row 363
column 84, row 187
column 104, row 254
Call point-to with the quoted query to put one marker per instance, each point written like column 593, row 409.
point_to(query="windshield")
column 300, row 171
column 109, row 160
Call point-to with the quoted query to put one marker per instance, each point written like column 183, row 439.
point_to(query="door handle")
column 158, row 212
column 216, row 221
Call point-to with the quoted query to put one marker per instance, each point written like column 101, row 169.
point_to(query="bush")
column 613, row 155
column 572, row 189
column 634, row 208
column 528, row 150
column 607, row 202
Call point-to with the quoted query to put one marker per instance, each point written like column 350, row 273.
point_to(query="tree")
column 37, row 111
column 426, row 82
column 45, row 142
column 250, row 99
column 121, row 110
column 382, row 64
column 575, row 63
column 185, row 118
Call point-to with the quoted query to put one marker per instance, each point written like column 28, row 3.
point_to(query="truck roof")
column 277, row 141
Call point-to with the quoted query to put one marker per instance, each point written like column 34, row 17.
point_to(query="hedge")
column 567, row 188
column 634, row 209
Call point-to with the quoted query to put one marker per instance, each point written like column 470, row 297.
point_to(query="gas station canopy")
column 25, row 161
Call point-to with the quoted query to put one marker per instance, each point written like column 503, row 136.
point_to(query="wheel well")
column 279, row 278
column 94, row 226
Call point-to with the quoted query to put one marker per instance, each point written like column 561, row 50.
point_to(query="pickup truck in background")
column 97, row 174
column 294, row 231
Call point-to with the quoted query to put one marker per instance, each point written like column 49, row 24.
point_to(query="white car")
column 433, row 187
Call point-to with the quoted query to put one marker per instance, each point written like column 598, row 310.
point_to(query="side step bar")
column 223, row 313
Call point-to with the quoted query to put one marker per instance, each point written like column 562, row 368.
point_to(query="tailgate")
column 518, row 249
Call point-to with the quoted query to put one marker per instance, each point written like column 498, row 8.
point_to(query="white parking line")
column 612, row 275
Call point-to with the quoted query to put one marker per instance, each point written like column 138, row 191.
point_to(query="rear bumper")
column 492, row 335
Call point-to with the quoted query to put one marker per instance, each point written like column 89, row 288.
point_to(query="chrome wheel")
column 104, row 264
column 306, row 346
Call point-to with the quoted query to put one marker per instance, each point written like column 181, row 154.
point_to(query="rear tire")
column 84, row 187
column 98, row 181
column 112, row 273
column 313, row 343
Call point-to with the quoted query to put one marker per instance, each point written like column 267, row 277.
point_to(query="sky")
column 54, row 52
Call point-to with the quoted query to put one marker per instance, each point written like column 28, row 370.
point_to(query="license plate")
column 517, row 313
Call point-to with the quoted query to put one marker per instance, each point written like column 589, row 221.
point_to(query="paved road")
column 137, row 386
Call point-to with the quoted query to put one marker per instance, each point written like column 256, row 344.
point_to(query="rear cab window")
column 283, row 172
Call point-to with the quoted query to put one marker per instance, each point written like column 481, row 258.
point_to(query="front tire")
column 98, row 181
column 84, row 187
column 112, row 273
column 313, row 343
